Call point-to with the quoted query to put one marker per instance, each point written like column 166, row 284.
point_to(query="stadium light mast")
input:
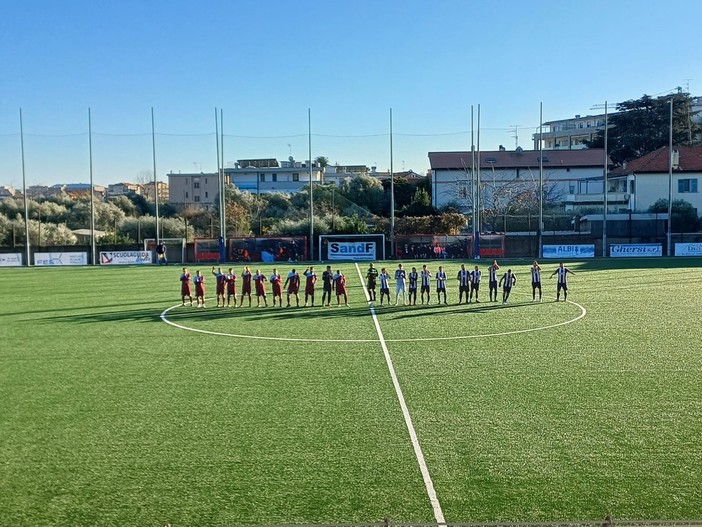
column 153, row 153
column 479, row 195
column 541, row 180
column 219, row 139
column 309, row 166
column 92, row 189
column 24, row 192
column 474, row 190
column 670, row 181
column 392, row 195
column 605, row 184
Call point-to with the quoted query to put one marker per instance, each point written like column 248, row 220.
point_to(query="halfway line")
column 428, row 483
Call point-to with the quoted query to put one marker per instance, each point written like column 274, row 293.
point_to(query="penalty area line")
column 428, row 483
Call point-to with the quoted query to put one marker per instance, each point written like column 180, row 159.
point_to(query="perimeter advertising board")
column 635, row 250
column 569, row 251
column 351, row 251
column 688, row 249
column 47, row 259
column 126, row 257
column 10, row 259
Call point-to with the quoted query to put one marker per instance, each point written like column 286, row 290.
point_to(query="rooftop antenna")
column 515, row 134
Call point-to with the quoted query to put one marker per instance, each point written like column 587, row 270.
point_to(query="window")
column 687, row 185
column 296, row 176
column 571, row 189
column 206, row 194
column 196, row 184
column 262, row 178
column 274, row 177
column 196, row 199
column 186, row 195
column 205, row 181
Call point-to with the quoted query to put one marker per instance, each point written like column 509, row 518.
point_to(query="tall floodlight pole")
column 92, row 189
column 473, row 187
column 223, row 219
column 24, row 192
column 153, row 154
column 670, row 181
column 309, row 146
column 220, row 186
column 541, row 180
column 392, row 194
column 605, row 184
column 479, row 200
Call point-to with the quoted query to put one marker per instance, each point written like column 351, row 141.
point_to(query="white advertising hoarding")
column 10, row 259
column 351, row 251
column 126, row 257
column 628, row 250
column 47, row 259
column 688, row 249
column 569, row 251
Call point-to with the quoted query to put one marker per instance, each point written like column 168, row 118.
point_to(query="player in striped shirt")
column 492, row 280
column 463, row 278
column 413, row 279
column 507, row 281
column 535, row 281
column 426, row 283
column 441, row 284
column 400, row 279
column 475, row 284
column 562, row 273
column 384, row 285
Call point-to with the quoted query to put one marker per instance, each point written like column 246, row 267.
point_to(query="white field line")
column 428, row 483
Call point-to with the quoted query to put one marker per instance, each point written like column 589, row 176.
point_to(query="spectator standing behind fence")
column 161, row 252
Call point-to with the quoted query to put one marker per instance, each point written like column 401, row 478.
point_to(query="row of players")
column 468, row 283
column 406, row 285
column 226, row 287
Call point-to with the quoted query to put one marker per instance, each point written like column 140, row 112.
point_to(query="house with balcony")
column 123, row 189
column 569, row 134
column 507, row 175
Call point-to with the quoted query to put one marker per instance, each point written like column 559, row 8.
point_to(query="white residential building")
column 506, row 174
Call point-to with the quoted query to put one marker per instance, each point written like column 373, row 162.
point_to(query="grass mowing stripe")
column 428, row 483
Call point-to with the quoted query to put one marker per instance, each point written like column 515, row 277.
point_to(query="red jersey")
column 276, row 284
column 340, row 284
column 185, row 284
column 260, row 286
column 220, row 280
column 246, row 286
column 199, row 285
column 231, row 283
column 293, row 282
column 311, row 280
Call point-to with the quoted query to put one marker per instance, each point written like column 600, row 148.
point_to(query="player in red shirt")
column 221, row 283
column 292, row 282
column 276, row 283
column 340, row 286
column 309, row 285
column 185, row 287
column 230, row 278
column 259, row 279
column 245, row 285
column 199, row 281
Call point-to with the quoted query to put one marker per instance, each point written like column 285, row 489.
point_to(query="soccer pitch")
column 109, row 415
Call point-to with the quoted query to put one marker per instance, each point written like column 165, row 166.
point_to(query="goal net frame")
column 174, row 246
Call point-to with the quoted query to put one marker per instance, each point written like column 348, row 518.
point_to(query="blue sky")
column 266, row 63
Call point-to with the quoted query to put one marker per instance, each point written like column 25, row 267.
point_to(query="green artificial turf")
column 110, row 416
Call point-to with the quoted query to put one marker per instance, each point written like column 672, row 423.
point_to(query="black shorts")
column 464, row 289
column 425, row 289
column 384, row 290
column 507, row 289
column 493, row 285
column 440, row 288
column 327, row 289
column 412, row 290
column 536, row 285
column 475, row 286
column 562, row 286
column 371, row 284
